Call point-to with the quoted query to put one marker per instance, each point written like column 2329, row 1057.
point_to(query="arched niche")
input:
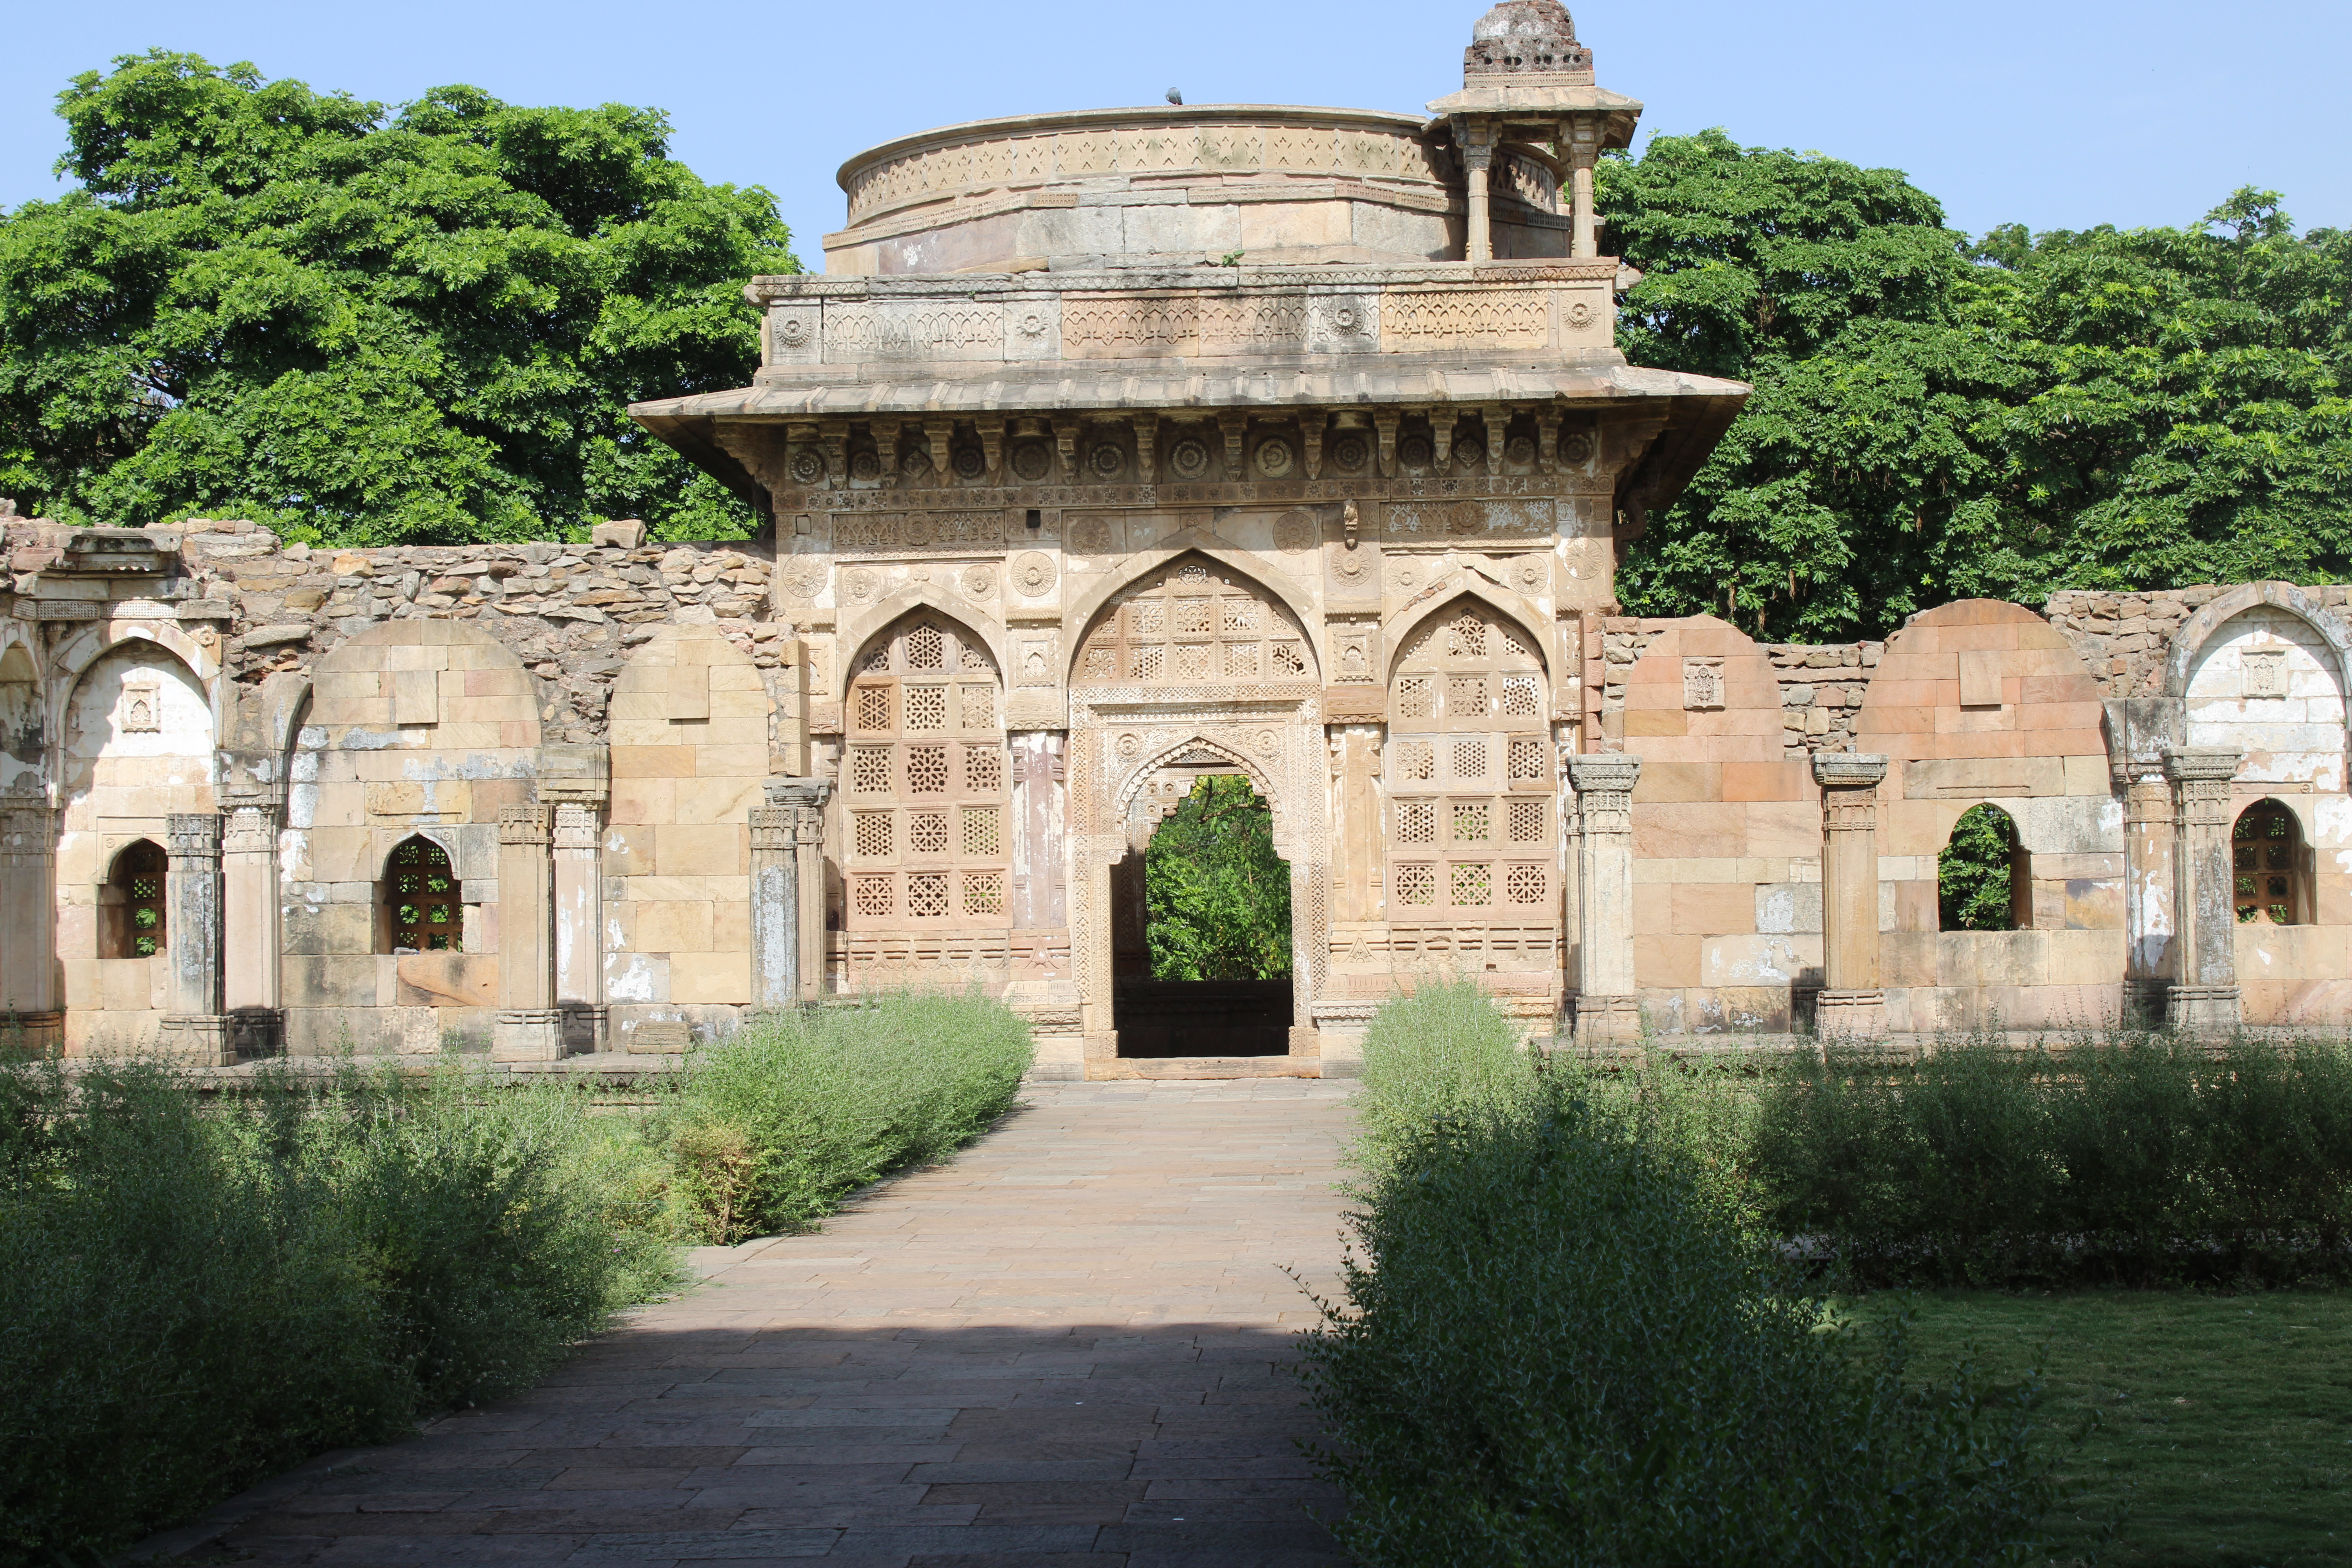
column 2267, row 681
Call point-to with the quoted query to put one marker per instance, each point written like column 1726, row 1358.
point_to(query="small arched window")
column 421, row 906
column 131, row 905
column 1984, row 881
column 2266, row 852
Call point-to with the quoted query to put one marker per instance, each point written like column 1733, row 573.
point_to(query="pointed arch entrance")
column 1194, row 668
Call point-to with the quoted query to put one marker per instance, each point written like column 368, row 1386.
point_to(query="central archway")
column 1201, row 929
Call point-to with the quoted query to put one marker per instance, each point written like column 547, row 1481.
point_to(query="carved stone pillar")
column 1851, row 1003
column 1476, row 161
column 1607, row 1009
column 194, row 1028
column 1044, row 966
column 579, row 921
column 2149, row 846
column 28, row 922
column 788, row 892
column 250, row 926
column 528, row 1027
column 2204, row 993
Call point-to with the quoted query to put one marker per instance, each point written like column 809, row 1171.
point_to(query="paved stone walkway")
column 1067, row 1347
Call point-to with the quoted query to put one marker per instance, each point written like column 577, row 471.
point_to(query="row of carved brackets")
column 881, row 453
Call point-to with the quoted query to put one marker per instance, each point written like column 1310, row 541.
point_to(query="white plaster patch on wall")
column 629, row 977
column 2331, row 823
column 140, row 702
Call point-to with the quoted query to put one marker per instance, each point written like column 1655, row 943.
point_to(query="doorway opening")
column 1201, row 956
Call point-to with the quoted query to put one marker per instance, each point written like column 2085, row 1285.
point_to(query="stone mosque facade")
column 1112, row 449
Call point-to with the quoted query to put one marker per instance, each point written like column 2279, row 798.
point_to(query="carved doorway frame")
column 1117, row 744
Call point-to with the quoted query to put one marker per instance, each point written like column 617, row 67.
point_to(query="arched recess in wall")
column 2271, row 867
column 1198, row 623
column 1468, row 769
column 134, row 919
column 2265, row 676
column 1984, row 874
column 24, row 729
column 926, row 783
column 1119, row 623
column 420, row 909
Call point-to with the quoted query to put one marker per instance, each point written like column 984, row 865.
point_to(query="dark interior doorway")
column 1201, row 933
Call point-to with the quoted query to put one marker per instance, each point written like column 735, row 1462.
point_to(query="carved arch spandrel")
column 1443, row 597
column 1123, row 795
column 855, row 633
column 1277, row 586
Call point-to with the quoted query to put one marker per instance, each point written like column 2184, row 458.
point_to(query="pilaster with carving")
column 194, row 1028
column 2204, row 995
column 528, row 1027
column 1851, row 1003
column 249, row 925
column 788, row 892
column 28, row 919
column 577, row 838
column 2150, row 835
column 1607, row 1009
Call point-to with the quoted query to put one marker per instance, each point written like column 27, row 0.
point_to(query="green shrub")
column 1443, row 1053
column 1559, row 1347
column 773, row 1127
column 193, row 1296
column 2127, row 1158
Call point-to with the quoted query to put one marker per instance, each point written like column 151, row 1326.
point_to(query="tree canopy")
column 1936, row 418
column 359, row 325
column 1216, row 896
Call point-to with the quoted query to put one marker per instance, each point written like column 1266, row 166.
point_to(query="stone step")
column 1204, row 1068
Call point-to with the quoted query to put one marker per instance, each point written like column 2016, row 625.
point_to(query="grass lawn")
column 2225, row 1421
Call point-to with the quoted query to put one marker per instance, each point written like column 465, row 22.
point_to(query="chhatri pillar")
column 2204, row 993
column 1851, row 1003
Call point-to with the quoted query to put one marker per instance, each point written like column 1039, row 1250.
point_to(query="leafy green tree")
column 1972, row 871
column 1216, row 895
column 365, row 326
column 1934, row 419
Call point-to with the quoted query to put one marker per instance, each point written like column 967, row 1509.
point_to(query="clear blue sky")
column 2059, row 113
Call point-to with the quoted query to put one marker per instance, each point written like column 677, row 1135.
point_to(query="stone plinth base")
column 37, row 1034
column 1099, row 1046
column 526, row 1035
column 1849, row 1015
column 2202, row 1008
column 1305, row 1044
column 2147, row 1001
column 1607, row 1020
column 201, row 1038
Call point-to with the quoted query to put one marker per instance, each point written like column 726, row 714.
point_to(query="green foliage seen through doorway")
column 1218, row 896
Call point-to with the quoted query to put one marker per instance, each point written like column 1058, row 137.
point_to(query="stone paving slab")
column 1069, row 1346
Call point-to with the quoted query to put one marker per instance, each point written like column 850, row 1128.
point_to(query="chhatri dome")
column 1526, row 36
